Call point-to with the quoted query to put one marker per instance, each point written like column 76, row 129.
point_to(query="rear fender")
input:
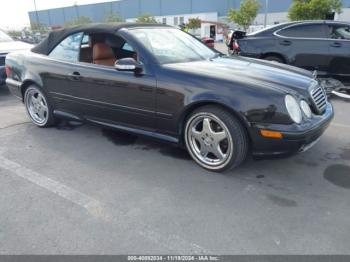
column 30, row 79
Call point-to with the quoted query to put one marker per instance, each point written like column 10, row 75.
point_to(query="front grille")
column 2, row 60
column 319, row 98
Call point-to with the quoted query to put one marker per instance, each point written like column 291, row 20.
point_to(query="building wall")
column 344, row 16
column 272, row 18
column 133, row 8
column 281, row 17
column 128, row 9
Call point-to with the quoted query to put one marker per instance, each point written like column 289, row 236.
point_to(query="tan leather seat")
column 103, row 55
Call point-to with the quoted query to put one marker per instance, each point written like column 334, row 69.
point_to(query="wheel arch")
column 27, row 83
column 195, row 105
column 263, row 56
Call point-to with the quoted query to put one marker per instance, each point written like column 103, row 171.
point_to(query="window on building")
column 182, row 20
column 176, row 20
column 68, row 49
column 304, row 31
column 164, row 21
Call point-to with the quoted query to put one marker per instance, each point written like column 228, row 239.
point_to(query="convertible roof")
column 56, row 36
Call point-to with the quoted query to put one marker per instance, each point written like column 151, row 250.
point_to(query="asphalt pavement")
column 77, row 189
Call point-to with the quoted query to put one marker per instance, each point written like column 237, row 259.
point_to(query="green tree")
column 111, row 17
column 81, row 20
column 194, row 23
column 246, row 13
column 14, row 33
column 146, row 18
column 313, row 9
column 38, row 27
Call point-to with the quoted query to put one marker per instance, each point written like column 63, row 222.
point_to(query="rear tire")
column 274, row 58
column 216, row 139
column 38, row 107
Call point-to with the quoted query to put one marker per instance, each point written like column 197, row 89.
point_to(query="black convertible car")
column 158, row 81
column 313, row 45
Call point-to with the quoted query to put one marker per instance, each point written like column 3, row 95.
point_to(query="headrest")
column 102, row 51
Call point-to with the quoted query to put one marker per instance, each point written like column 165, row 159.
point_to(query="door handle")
column 336, row 44
column 75, row 76
column 286, row 42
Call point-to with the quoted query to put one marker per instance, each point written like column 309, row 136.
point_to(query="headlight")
column 293, row 109
column 306, row 108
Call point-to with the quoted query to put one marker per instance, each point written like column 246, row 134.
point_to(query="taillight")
column 235, row 45
column 7, row 70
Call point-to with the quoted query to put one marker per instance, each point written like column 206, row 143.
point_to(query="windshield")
column 4, row 37
column 170, row 45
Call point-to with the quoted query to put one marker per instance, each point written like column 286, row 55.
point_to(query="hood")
column 7, row 47
column 252, row 72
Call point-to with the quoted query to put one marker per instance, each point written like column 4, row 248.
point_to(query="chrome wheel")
column 209, row 140
column 37, row 106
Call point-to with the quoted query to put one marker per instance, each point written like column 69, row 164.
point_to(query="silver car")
column 7, row 45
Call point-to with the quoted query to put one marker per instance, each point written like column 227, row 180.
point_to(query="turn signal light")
column 271, row 134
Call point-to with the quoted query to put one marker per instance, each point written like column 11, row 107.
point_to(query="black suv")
column 313, row 45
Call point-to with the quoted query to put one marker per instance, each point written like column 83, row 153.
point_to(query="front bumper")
column 296, row 138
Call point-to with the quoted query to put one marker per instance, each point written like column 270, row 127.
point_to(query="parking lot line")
column 93, row 206
column 14, row 125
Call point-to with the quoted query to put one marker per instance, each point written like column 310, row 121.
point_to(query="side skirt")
column 72, row 117
column 138, row 131
column 67, row 116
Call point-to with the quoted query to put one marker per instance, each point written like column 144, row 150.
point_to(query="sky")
column 14, row 13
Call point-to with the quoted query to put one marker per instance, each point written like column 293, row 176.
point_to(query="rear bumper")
column 295, row 138
column 14, row 87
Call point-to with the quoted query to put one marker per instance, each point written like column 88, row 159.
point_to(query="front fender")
column 206, row 98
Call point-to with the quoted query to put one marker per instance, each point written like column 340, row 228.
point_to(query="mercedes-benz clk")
column 158, row 81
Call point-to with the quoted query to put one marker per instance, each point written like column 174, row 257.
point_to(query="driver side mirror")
column 128, row 64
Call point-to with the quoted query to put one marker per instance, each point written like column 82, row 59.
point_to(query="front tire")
column 274, row 58
column 38, row 107
column 215, row 139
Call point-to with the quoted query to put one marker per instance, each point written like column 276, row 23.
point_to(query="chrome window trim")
column 276, row 33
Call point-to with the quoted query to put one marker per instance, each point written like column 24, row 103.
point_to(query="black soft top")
column 56, row 36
